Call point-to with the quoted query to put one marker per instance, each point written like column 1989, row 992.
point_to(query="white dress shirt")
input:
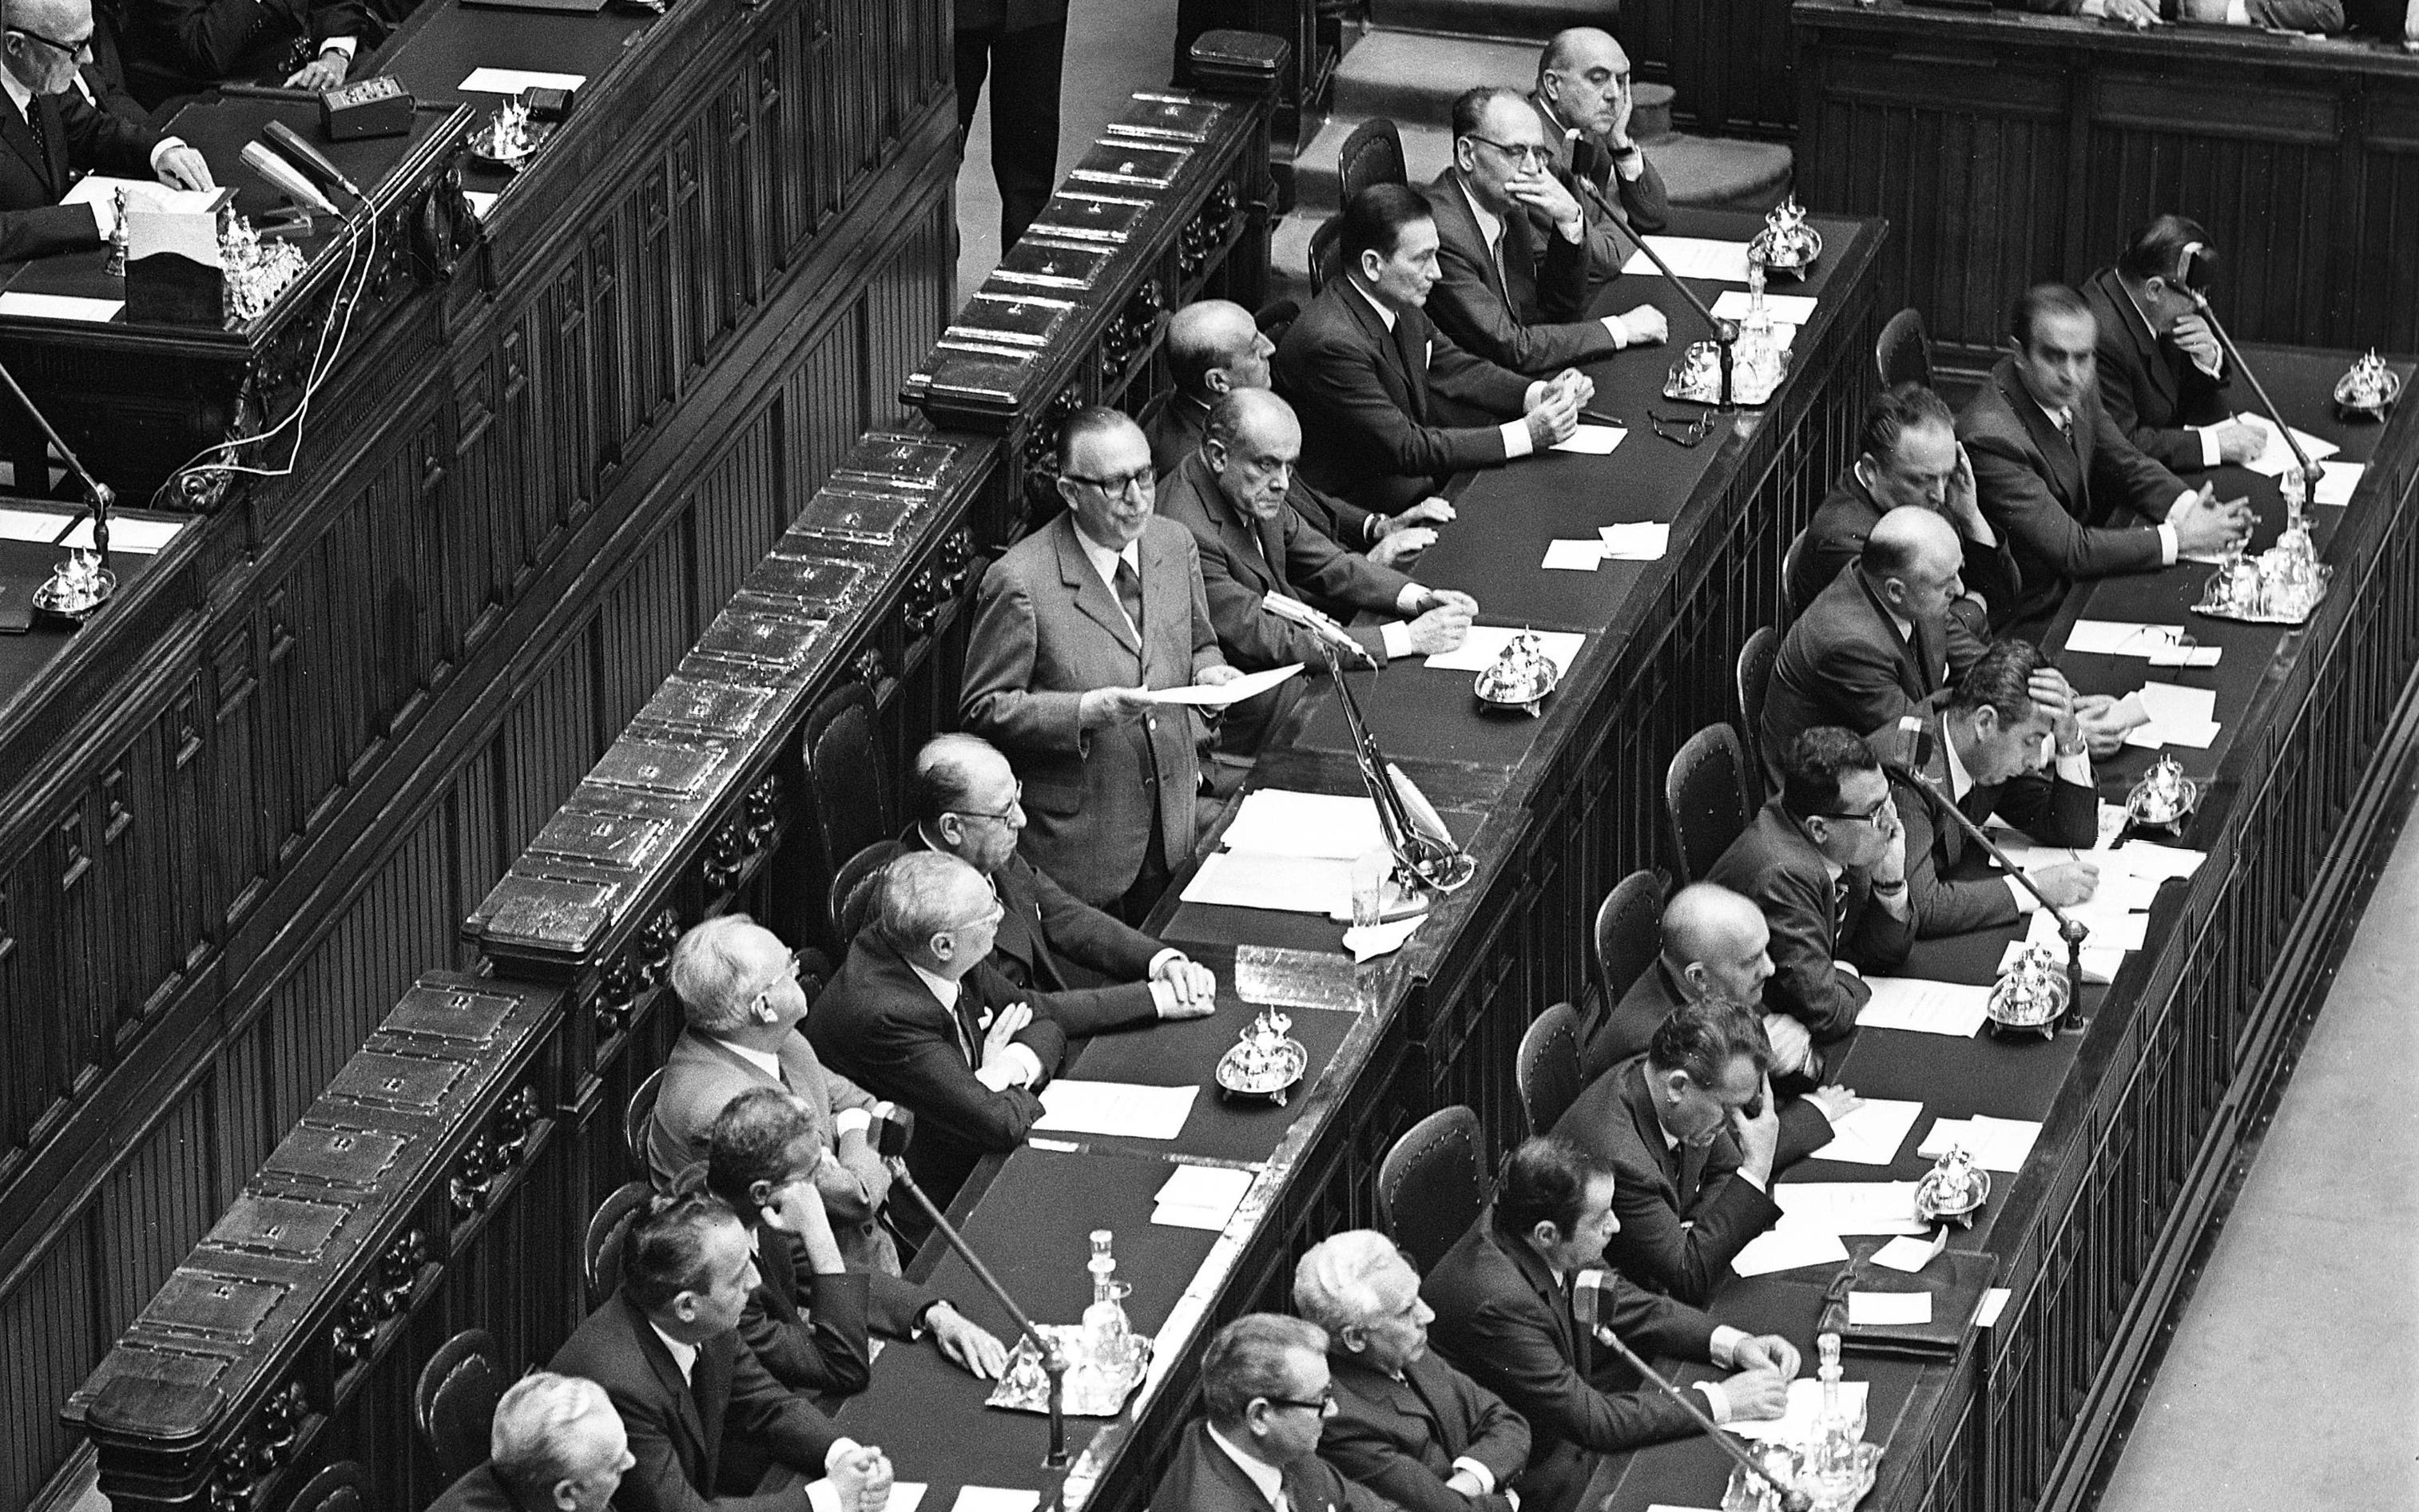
column 1266, row 1477
column 844, row 1121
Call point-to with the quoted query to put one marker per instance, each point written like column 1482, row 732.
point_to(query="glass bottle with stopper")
column 1108, row 1338
column 1839, row 1435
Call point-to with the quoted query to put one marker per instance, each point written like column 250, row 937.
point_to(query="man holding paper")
column 1231, row 494
column 57, row 135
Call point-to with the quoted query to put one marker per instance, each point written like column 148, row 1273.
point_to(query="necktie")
column 965, row 1036
column 1840, row 904
column 1502, row 279
column 41, row 138
column 1130, row 596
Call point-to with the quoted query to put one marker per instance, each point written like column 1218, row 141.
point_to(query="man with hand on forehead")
column 1583, row 101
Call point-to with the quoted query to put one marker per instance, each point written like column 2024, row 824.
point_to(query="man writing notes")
column 1582, row 98
column 1073, row 629
column 2074, row 497
column 1512, row 258
column 1231, row 494
column 1389, row 405
column 57, row 135
column 2161, row 372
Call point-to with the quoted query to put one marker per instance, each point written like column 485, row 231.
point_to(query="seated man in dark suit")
column 1512, row 256
column 1584, row 103
column 59, row 134
column 1877, row 641
column 1994, row 734
column 666, row 1348
column 1231, row 495
column 1266, row 1394
column 555, row 1445
column 181, row 47
column 1214, row 347
column 2074, row 497
column 1098, row 972
column 1505, row 1312
column 1826, row 862
column 1692, row 1132
column 2161, row 370
column 1407, row 1425
column 807, row 1319
column 916, row 1015
column 1389, row 405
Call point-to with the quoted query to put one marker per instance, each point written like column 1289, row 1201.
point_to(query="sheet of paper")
column 2120, row 638
column 148, row 195
column 2111, row 930
column 1290, row 883
column 481, row 201
column 2192, row 735
column 2340, row 479
column 2173, row 701
column 1996, row 1144
column 1797, row 1425
column 1693, row 257
column 1910, row 1253
column 1641, row 541
column 1912, row 1003
column 1280, row 821
column 1789, row 1246
column 60, row 307
column 2180, row 655
column 1592, row 440
column 1367, row 943
column 512, row 81
column 1486, row 642
column 1573, row 556
column 1128, row 1109
column 1888, row 1309
column 1785, row 309
column 34, row 525
column 1851, row 1206
column 2279, row 457
column 140, row 536
column 1871, row 1135
column 2100, row 962
column 2145, row 860
column 905, row 1495
column 1200, row 1197
column 1995, row 1302
column 1201, row 696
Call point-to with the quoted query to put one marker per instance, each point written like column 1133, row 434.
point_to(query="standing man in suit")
column 1231, row 495
column 1406, row 1426
column 1022, row 46
column 182, row 47
column 556, row 1446
column 1074, row 629
column 57, row 135
column 2161, row 370
column 1508, row 1311
column 2009, row 718
column 1692, row 1132
column 666, row 1348
column 1825, row 863
column 1583, row 86
column 1508, row 288
column 915, row 1015
column 1214, row 347
column 738, row 986
column 1877, row 641
column 1391, row 407
column 1098, row 973
column 2054, row 475
column 1265, row 1386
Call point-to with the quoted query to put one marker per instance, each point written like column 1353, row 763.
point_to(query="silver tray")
column 46, row 599
column 1746, row 1495
column 1023, row 1387
column 1743, row 390
column 1273, row 1081
column 2184, row 807
column 1982, row 1195
column 2209, row 598
column 2377, row 410
column 1759, row 249
column 1491, row 691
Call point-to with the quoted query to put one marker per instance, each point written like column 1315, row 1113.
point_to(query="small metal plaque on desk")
column 1142, row 165
column 212, row 1306
column 471, row 1019
column 1091, row 217
column 277, row 1225
column 1019, row 320
column 857, row 515
column 1039, row 265
column 893, row 461
column 407, row 1083
column 339, row 1157
column 656, row 766
column 1165, row 117
column 778, row 642
column 710, row 708
column 803, row 584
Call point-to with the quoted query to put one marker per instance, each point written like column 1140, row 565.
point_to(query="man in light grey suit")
column 1074, row 628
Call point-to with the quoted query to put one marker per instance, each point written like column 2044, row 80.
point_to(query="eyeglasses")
column 1689, row 429
column 1142, row 481
column 789, row 973
column 1528, row 154
column 1323, row 1406
column 1871, row 816
column 1015, row 801
column 77, row 52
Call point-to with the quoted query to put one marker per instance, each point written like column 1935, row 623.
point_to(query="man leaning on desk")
column 57, row 135
column 181, row 47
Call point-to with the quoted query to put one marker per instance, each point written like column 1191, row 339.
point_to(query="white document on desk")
column 1234, row 690
column 1479, row 649
column 2145, row 860
column 1200, row 1197
column 2120, row 637
column 1785, row 309
column 1996, row 1144
column 2272, row 462
column 1131, row 1109
column 1592, row 440
column 1909, row 1253
column 1871, row 1135
column 1329, row 826
column 1643, row 540
column 512, row 81
column 1288, row 883
column 2111, row 929
column 2340, row 480
column 1851, row 1206
column 146, row 195
column 1888, row 1309
column 1797, row 1424
column 1952, row 1008
column 1573, row 556
column 60, row 307
column 1789, row 1246
column 1693, row 257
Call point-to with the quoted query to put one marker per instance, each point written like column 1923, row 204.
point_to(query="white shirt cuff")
column 2209, row 455
column 2169, row 547
column 102, row 216
column 339, row 44
column 1515, row 439
column 1726, row 1340
column 1848, row 966
column 1398, row 639
column 1162, row 997
column 1159, row 963
column 851, row 1120
column 2026, row 902
column 1717, row 1403
column 2076, row 769
column 1408, row 602
column 168, row 144
column 1759, row 1183
column 1620, row 332
column 1478, row 1473
column 998, row 1078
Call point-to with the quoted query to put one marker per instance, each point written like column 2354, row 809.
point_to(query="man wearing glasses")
column 1266, row 1394
column 1075, row 628
column 1511, row 254
column 58, row 135
column 1826, row 861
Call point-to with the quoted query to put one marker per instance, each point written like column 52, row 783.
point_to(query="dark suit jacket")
column 678, row 1429
column 1775, row 864
column 2151, row 391
column 1006, row 15
column 1625, row 1032
column 1619, row 210
column 105, row 75
column 1176, row 432
column 1386, row 415
column 1836, row 537
column 1502, row 1318
column 1684, row 1213
column 1400, row 1438
column 1204, row 1478
column 808, row 1329
column 2044, row 806
column 1843, row 663
column 2087, row 510
column 1091, row 967
column 1530, row 314
column 182, row 46
column 893, row 1305
column 33, row 223
column 879, row 1025
column 1047, row 630
column 478, row 1491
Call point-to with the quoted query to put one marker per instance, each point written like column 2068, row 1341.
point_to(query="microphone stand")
column 1726, row 332
column 1791, row 1499
column 2311, row 472
column 1436, row 864
column 102, row 495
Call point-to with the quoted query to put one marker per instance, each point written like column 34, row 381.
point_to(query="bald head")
column 1214, row 346
column 1912, row 560
column 1253, row 443
column 1714, row 944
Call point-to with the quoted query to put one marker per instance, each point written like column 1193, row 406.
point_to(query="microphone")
column 100, row 494
column 1726, row 332
column 893, row 1130
column 1294, row 611
column 1918, row 734
column 286, row 179
column 309, row 158
column 1587, row 1305
column 2311, row 472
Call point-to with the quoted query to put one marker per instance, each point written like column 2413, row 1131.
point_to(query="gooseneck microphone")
column 2311, row 472
column 1726, row 332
